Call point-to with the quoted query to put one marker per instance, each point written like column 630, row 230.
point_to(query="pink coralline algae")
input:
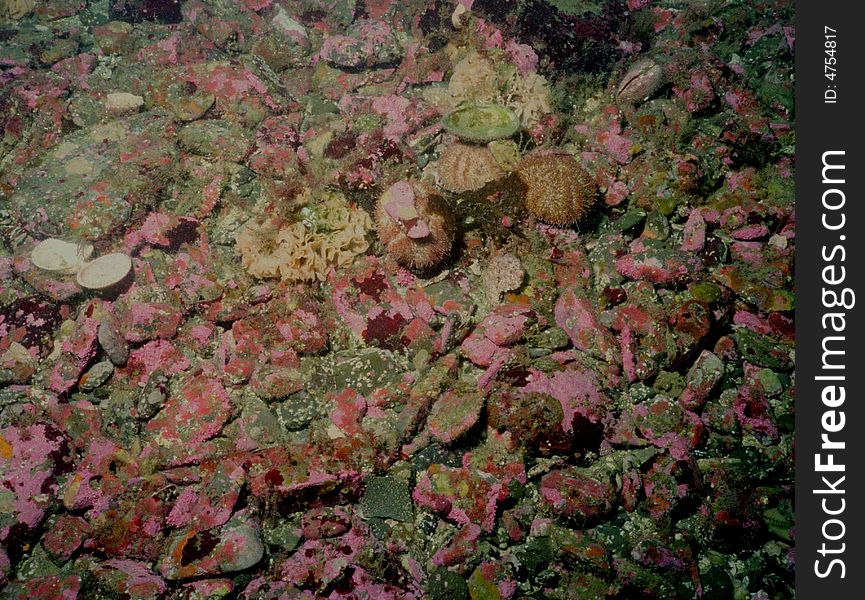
column 33, row 459
column 579, row 319
column 577, row 389
column 577, row 493
column 512, row 390
column 367, row 43
column 503, row 327
column 194, row 416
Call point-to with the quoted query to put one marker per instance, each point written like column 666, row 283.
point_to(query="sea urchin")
column 415, row 224
column 557, row 189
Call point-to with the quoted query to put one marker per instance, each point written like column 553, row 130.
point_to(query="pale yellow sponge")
column 329, row 234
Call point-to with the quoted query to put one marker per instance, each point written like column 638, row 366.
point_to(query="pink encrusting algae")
column 440, row 299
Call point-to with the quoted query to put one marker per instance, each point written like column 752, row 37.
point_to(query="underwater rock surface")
column 375, row 342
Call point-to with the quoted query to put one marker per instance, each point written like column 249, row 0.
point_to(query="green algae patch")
column 482, row 122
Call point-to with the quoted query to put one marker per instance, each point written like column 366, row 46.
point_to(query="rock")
column 187, row 102
column 534, row 420
column 216, row 137
column 460, row 548
column 367, row 44
column 666, row 485
column 129, row 578
column 210, row 503
column 582, row 397
column 17, row 365
column 112, row 37
column 112, row 341
column 325, row 522
column 462, row 495
column 33, row 458
column 65, row 536
column 386, row 498
column 233, row 547
column 123, row 102
column 98, row 179
column 444, row 584
column 455, row 413
column 762, row 350
column 194, row 415
column 658, row 265
column 292, row 30
column 78, row 346
column 578, row 493
column 694, row 233
column 31, row 321
column 504, row 326
column 40, row 587
column 272, row 383
column 667, row 425
column 95, row 376
column 146, row 321
column 579, row 319
column 135, row 11
column 701, row 379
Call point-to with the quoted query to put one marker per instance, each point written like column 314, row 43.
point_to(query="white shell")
column 59, row 256
column 104, row 272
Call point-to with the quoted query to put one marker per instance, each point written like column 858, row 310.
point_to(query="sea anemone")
column 415, row 224
column 557, row 189
column 464, row 168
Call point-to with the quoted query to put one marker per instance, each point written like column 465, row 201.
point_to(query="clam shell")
column 59, row 256
column 104, row 272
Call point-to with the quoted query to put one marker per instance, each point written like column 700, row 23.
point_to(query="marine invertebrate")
column 56, row 255
column 16, row 9
column 527, row 95
column 105, row 272
column 641, row 81
column 557, row 189
column 415, row 224
column 464, row 168
column 328, row 234
column 504, row 273
column 482, row 122
column 474, row 79
column 478, row 79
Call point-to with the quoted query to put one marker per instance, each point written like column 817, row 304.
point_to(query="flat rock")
column 233, row 547
column 97, row 180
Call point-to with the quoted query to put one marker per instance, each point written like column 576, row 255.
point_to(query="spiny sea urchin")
column 557, row 189
column 415, row 224
column 464, row 168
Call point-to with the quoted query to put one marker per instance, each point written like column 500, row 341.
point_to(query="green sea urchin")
column 557, row 189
